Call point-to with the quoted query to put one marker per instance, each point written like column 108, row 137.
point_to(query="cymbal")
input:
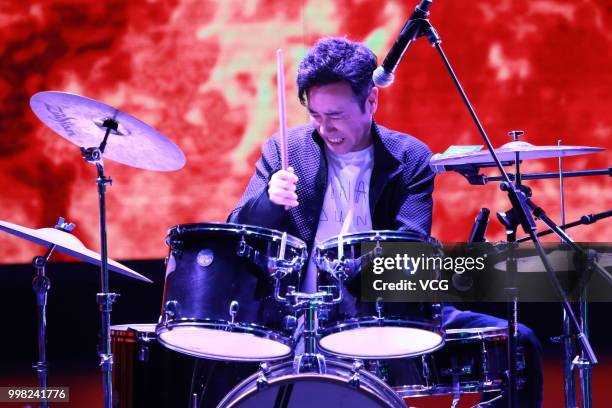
column 559, row 260
column 68, row 244
column 507, row 152
column 79, row 120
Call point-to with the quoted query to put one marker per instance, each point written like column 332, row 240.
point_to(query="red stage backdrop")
column 203, row 74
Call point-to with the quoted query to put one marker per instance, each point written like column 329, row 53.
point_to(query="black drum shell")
column 353, row 310
column 477, row 357
column 204, row 293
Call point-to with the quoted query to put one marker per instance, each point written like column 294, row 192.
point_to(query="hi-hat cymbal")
column 79, row 120
column 559, row 260
column 507, row 153
column 69, row 244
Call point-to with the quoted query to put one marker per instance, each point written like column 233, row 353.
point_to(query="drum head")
column 216, row 344
column 306, row 390
column 373, row 236
column 381, row 342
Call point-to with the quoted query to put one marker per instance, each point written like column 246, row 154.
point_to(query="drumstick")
column 282, row 114
column 283, row 246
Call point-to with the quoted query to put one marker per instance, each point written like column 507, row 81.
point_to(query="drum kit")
column 231, row 294
column 231, row 291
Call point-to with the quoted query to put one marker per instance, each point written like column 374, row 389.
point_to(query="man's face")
column 339, row 118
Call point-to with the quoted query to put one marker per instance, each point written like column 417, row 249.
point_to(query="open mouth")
column 335, row 140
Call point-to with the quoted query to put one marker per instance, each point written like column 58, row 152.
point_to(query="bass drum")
column 339, row 387
column 219, row 293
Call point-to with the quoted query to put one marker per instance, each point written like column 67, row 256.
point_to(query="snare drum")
column 373, row 330
column 219, row 293
column 145, row 374
column 342, row 385
column 471, row 361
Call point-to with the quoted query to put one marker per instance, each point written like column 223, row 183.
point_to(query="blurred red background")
column 203, row 74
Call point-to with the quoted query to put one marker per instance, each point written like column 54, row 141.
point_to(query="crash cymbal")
column 506, row 153
column 68, row 244
column 559, row 260
column 79, row 120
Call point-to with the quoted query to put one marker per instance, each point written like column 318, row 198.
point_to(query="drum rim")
column 233, row 228
column 374, row 386
column 368, row 236
column 372, row 321
column 465, row 386
column 130, row 332
column 476, row 333
column 133, row 327
column 408, row 391
column 221, row 325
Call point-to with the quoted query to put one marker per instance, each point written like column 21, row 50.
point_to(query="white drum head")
column 285, row 389
column 222, row 345
column 381, row 342
column 310, row 391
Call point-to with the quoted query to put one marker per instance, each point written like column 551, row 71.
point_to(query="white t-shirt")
column 346, row 206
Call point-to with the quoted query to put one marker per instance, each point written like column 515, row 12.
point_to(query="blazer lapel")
column 312, row 186
column 386, row 166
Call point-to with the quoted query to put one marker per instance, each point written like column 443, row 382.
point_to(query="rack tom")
column 372, row 330
column 219, row 293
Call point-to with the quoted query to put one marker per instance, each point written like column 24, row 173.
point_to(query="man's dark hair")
column 333, row 60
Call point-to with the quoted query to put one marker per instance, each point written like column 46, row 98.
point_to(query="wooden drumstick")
column 283, row 246
column 282, row 113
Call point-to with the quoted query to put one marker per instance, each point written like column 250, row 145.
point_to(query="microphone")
column 480, row 226
column 464, row 282
column 383, row 75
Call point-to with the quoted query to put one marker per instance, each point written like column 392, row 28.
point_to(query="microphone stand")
column 522, row 207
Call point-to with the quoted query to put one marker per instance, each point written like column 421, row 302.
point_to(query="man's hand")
column 281, row 188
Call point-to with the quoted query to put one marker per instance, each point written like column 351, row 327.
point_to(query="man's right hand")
column 281, row 188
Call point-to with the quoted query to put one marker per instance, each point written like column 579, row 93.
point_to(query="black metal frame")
column 524, row 210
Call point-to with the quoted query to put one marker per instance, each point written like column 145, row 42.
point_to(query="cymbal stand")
column 470, row 172
column 511, row 221
column 41, row 285
column 523, row 207
column 586, row 267
column 566, row 338
column 584, row 220
column 105, row 299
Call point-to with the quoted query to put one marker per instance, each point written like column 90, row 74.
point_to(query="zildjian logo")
column 61, row 118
